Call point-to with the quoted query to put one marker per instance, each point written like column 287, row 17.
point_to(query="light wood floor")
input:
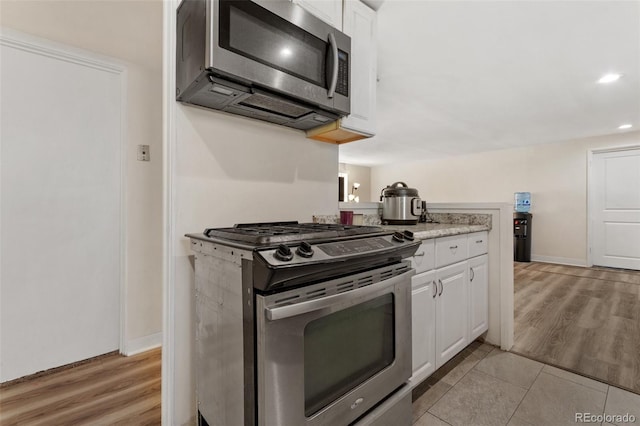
column 586, row 320
column 109, row 390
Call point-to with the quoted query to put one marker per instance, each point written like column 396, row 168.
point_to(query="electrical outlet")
column 143, row 153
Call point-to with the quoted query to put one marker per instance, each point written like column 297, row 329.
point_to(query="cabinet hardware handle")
column 418, row 254
column 473, row 274
column 441, row 288
column 435, row 289
column 334, row 71
column 453, row 247
column 479, row 241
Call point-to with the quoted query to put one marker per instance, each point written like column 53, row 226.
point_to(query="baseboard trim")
column 142, row 344
column 560, row 260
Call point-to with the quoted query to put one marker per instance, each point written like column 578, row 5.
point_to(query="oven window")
column 345, row 348
column 253, row 32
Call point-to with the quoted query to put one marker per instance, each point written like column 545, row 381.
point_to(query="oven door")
column 329, row 352
column 280, row 46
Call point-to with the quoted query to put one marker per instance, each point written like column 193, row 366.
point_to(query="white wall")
column 113, row 28
column 555, row 174
column 228, row 170
column 144, row 209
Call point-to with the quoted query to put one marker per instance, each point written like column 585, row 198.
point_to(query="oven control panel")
column 355, row 246
column 305, row 252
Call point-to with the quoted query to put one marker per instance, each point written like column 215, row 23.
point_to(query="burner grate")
column 286, row 232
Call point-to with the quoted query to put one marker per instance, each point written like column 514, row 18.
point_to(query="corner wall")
column 230, row 170
column 555, row 174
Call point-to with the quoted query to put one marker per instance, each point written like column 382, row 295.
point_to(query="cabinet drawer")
column 478, row 243
column 424, row 259
column 451, row 250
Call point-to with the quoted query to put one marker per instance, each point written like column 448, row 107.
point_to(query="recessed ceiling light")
column 625, row 126
column 609, row 78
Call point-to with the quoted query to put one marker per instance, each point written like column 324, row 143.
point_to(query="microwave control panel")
column 342, row 85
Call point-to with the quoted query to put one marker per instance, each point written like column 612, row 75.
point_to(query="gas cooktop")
column 261, row 234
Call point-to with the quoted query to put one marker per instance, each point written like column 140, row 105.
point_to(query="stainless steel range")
column 303, row 324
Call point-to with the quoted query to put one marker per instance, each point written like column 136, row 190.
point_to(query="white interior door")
column 60, row 209
column 615, row 209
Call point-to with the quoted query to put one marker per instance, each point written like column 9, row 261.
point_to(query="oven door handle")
column 354, row 296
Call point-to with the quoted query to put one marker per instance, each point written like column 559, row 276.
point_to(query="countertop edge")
column 440, row 231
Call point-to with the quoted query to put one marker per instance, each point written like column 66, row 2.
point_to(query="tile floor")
column 486, row 386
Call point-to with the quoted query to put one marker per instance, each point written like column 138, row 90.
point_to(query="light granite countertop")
column 425, row 231
column 445, row 224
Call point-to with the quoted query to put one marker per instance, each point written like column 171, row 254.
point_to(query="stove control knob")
column 398, row 236
column 283, row 253
column 305, row 249
column 408, row 235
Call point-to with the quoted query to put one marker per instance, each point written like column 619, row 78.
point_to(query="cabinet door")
column 360, row 24
column 330, row 11
column 452, row 310
column 423, row 329
column 478, row 296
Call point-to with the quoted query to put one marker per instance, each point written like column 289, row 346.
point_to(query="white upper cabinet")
column 360, row 23
column 330, row 11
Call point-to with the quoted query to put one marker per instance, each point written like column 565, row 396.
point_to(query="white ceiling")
column 462, row 77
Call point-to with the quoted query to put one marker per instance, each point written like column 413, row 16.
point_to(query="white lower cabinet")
column 450, row 305
column 478, row 296
column 452, row 333
column 423, row 324
column 439, row 304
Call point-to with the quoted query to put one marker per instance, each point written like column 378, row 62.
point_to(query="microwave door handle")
column 332, row 65
column 356, row 296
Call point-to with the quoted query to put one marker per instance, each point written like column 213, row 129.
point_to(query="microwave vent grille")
column 274, row 105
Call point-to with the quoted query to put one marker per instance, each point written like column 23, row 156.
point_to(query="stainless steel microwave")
column 266, row 59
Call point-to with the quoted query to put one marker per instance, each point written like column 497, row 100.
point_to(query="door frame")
column 169, row 145
column 39, row 46
column 591, row 189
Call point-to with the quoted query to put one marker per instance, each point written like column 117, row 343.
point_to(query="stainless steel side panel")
column 233, row 65
column 191, row 36
column 219, row 334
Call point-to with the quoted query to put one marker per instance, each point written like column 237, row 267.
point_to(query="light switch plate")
column 143, row 153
